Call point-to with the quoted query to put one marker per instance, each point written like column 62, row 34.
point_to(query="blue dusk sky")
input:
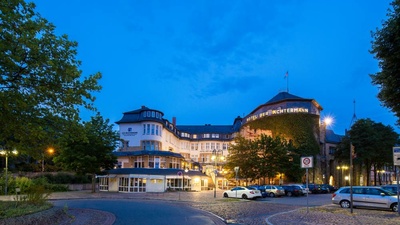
column 209, row 61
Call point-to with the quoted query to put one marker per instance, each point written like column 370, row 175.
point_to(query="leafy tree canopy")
column 87, row 148
column 40, row 82
column 372, row 143
column 265, row 156
column 386, row 48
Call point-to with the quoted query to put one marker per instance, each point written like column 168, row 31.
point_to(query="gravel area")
column 256, row 213
column 88, row 217
column 332, row 214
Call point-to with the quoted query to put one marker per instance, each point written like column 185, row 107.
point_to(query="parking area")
column 312, row 199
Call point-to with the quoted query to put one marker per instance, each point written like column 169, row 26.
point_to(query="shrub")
column 10, row 183
column 35, row 194
column 23, row 183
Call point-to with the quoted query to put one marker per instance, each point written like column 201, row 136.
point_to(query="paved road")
column 182, row 208
column 312, row 199
column 145, row 211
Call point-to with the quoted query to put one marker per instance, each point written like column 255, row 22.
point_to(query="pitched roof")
column 331, row 137
column 135, row 116
column 152, row 171
column 208, row 128
column 284, row 96
column 145, row 152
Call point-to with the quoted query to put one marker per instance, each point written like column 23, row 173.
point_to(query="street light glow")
column 328, row 120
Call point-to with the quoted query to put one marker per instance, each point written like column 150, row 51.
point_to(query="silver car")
column 273, row 190
column 366, row 196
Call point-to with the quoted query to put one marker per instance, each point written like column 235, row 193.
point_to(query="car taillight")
column 252, row 192
column 333, row 195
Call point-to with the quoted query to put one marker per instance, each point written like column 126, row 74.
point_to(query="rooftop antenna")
column 354, row 119
column 287, row 81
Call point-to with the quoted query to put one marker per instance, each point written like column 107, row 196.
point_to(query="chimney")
column 174, row 121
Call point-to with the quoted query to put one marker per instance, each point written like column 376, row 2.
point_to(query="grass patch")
column 9, row 209
column 229, row 200
column 324, row 209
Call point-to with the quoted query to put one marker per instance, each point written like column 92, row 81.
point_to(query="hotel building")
column 157, row 155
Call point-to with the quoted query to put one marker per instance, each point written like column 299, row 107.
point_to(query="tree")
column 40, row 83
column 265, row 157
column 372, row 143
column 386, row 48
column 87, row 148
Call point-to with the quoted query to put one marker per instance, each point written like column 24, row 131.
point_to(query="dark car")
column 292, row 190
column 329, row 187
column 317, row 189
column 261, row 188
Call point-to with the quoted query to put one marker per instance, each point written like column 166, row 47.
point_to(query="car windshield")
column 279, row 187
column 252, row 188
column 389, row 192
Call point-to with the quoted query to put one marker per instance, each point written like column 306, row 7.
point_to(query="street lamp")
column 6, row 154
column 327, row 122
column 341, row 168
column 236, row 171
column 214, row 157
column 50, row 151
column 380, row 176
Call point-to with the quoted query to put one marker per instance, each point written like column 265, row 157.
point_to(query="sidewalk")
column 203, row 196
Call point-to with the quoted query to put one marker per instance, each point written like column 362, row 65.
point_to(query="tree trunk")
column 93, row 183
column 368, row 171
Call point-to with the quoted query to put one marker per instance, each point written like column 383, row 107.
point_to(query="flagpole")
column 287, row 84
column 287, row 81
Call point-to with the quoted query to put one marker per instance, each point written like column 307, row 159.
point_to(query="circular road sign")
column 307, row 162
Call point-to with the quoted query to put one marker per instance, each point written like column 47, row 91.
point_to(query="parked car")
column 243, row 192
column 329, row 187
column 366, row 196
column 292, row 190
column 390, row 187
column 317, row 189
column 261, row 189
column 302, row 188
column 273, row 190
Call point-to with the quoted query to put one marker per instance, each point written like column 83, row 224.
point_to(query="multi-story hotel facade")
column 156, row 154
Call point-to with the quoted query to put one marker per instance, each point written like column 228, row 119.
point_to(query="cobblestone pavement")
column 238, row 211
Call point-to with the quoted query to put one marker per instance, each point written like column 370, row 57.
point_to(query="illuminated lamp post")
column 214, row 157
column 6, row 154
column 340, row 169
column 327, row 122
column 50, row 151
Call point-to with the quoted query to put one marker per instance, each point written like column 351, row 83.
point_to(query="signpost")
column 180, row 174
column 306, row 162
column 236, row 171
column 396, row 162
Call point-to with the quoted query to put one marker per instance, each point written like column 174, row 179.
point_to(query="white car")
column 243, row 192
column 365, row 196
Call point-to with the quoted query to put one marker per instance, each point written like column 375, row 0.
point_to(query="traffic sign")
column 396, row 156
column 306, row 162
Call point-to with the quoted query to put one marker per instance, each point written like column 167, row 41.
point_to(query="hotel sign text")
column 276, row 112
